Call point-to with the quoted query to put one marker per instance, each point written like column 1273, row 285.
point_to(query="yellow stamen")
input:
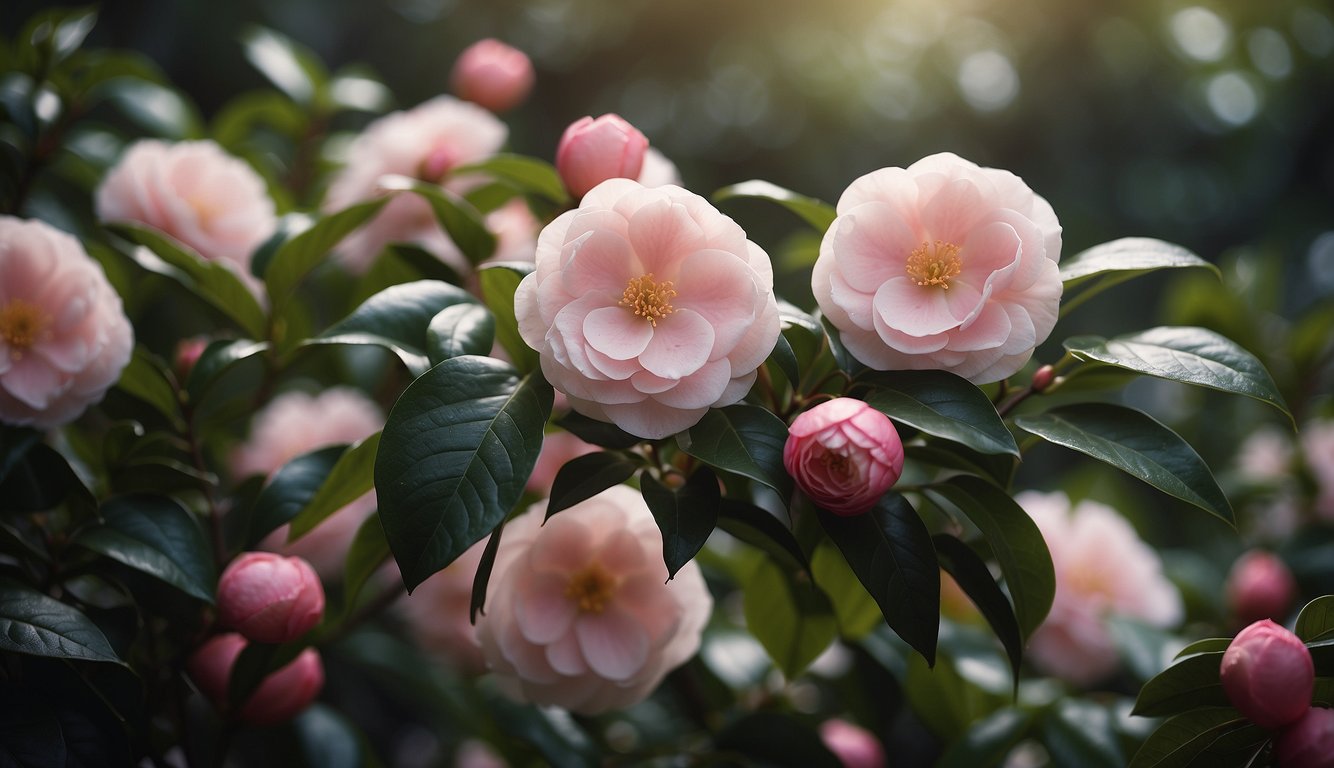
column 22, row 325
column 648, row 299
column 934, row 263
column 591, row 588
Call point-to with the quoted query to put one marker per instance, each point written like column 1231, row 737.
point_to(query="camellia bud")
column 1043, row 378
column 269, row 598
column 1260, row 586
column 1309, row 742
column 844, row 454
column 188, row 352
column 854, row 746
column 279, row 697
column 592, row 151
column 1268, row 675
column 493, row 75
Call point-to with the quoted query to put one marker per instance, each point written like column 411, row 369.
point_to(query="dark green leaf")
column 14, row 445
column 498, row 284
column 351, row 478
column 305, row 250
column 34, row 624
column 482, row 576
column 973, row 576
column 1093, row 271
column 599, row 433
column 1137, row 444
column 1316, row 620
column 43, row 479
column 1189, row 683
column 857, row 612
column 584, row 477
column 890, row 550
column 842, row 357
column 147, row 378
column 218, row 358
column 941, row 404
column 1179, row 741
column 291, row 490
column 463, row 329
column 158, row 109
column 368, row 551
column 456, row 453
column 397, row 319
column 238, row 123
column 988, row 741
column 459, row 219
column 59, row 33
column 685, row 515
column 785, row 358
column 291, row 67
column 528, row 174
column 1207, row 645
column 817, row 213
column 327, row 739
column 158, row 536
column 790, row 616
column 744, row 439
column 1078, row 732
column 760, row 529
column 769, row 738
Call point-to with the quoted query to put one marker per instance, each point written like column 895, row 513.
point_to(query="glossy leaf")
column 288, row 65
column 158, row 109
column 599, row 433
column 762, row 530
column 482, row 577
column 147, row 379
column 1189, row 683
column 1090, row 272
column 685, row 515
column 459, row 219
column 744, row 439
column 816, row 213
column 1137, row 444
column 989, row 740
column 941, row 404
column 1178, row 742
column 219, row 357
column 397, row 319
column 1080, row 732
column 1189, row 355
column 43, row 479
column 463, row 329
column 791, row 617
column 368, row 551
column 158, row 536
column 1316, row 620
column 455, row 455
column 291, row 490
column 890, row 550
column 1207, row 645
column 973, row 576
column 327, row 739
column 35, row 624
column 584, row 477
column 498, row 284
column 304, row 251
column 528, row 174
column 351, row 477
column 857, row 612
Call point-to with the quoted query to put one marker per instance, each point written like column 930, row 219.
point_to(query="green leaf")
column 218, row 358
column 158, row 536
column 790, row 616
column 397, row 319
column 599, row 433
column 1316, row 620
column 1190, row 355
column 498, row 284
column 304, row 251
column 37, row 625
column 146, row 378
column 1179, row 741
column 463, row 329
column 1015, row 541
column 973, row 576
column 356, row 89
column 156, row 108
column 58, row 33
column 368, row 551
column 43, row 479
column 685, row 515
column 941, row 404
column 1078, row 732
column 457, row 217
column 456, row 453
column 291, row 490
column 350, row 478
column 528, row 174
column 584, row 477
column 762, row 530
column 817, row 213
column 890, row 550
column 785, row 358
column 1207, row 645
column 744, row 439
column 327, row 739
column 989, row 740
column 1189, row 683
column 289, row 66
column 1103, row 266
column 482, row 576
column 1137, row 444
column 856, row 611
column 14, row 445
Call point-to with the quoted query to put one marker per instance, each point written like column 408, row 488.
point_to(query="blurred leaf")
column 528, row 174
column 762, row 530
column 745, row 439
column 856, row 611
column 236, row 122
column 352, row 477
column 791, row 617
column 147, row 378
column 685, row 515
column 354, row 89
column 368, row 551
column 14, row 445
column 988, row 741
column 156, row 475
column 973, row 576
column 291, row 490
column 599, row 433
column 43, row 479
column 817, row 213
column 158, row 536
column 288, row 65
column 463, row 329
column 1137, row 444
column 158, row 109
column 1090, row 272
column 457, row 217
column 1179, row 741
column 1145, row 649
column 397, row 319
column 498, row 284
column 941, row 404
column 218, row 358
column 1079, row 732
column 1189, row 355
column 33, row 623
column 327, row 739
column 1189, row 683
column 1316, row 620
column 890, row 550
column 58, row 33
column 584, row 477
column 456, row 453
column 306, row 249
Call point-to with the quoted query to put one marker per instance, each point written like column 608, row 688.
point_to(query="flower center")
column 934, row 263
column 838, row 465
column 22, row 325
column 649, row 299
column 591, row 588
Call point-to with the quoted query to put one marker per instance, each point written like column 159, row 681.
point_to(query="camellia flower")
column 295, row 423
column 594, row 150
column 426, row 142
column 1102, row 568
column 195, row 192
column 437, row 611
column 1268, row 675
column 648, row 307
column 1259, row 586
column 64, row 337
column 281, row 696
column 269, row 598
column 495, row 75
column 853, row 745
column 1318, row 448
column 658, row 171
column 844, row 454
column 1309, row 742
column 942, row 265
column 580, row 612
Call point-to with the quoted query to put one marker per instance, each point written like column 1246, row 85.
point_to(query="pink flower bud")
column 854, row 746
column 279, row 697
column 493, row 75
column 592, row 151
column 1268, row 675
column 270, row 598
column 1260, row 586
column 844, row 454
column 1043, row 378
column 1309, row 742
column 188, row 352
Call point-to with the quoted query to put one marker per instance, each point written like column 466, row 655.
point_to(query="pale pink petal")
column 651, row 419
column 599, row 261
column 681, row 344
column 33, row 382
column 913, row 309
column 701, row 390
column 566, row 657
column 663, row 234
column 614, row 644
column 541, row 609
column 617, row 332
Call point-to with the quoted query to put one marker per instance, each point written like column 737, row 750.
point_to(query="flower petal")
column 916, row 310
column 614, row 644
column 680, row 346
column 541, row 609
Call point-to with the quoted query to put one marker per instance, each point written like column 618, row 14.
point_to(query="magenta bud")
column 282, row 695
column 1309, row 742
column 493, row 75
column 270, row 598
column 844, row 455
column 1259, row 586
column 592, row 151
column 1268, row 675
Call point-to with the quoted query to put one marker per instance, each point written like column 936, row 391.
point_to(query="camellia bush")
column 338, row 435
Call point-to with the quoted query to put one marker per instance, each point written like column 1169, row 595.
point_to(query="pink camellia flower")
column 269, row 598
column 1102, row 568
column 495, row 75
column 943, row 265
column 426, row 142
column 195, row 192
column 658, row 171
column 1259, row 586
column 580, row 612
column 437, row 612
column 853, row 745
column 592, row 151
column 1268, row 675
column 1318, row 448
column 1309, row 742
column 648, row 307
column 477, row 754
column 844, row 454
column 64, row 337
column 281, row 696
column 295, row 423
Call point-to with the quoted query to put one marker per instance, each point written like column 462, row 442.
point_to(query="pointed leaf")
column 686, row 515
column 973, row 576
column 482, row 577
column 584, row 477
column 146, row 378
column 791, row 617
column 599, row 433
column 305, row 250
column 1316, row 620
column 350, row 478
column 528, row 174
column 218, row 358
column 498, row 284
column 817, row 213
column 288, row 65
column 1189, row 683
column 368, row 551
column 38, row 625
column 941, row 404
column 1207, row 645
column 1083, row 733
column 762, row 530
column 291, row 490
column 463, row 329
column 459, row 219
column 456, row 453
column 857, row 612
column 744, row 439
column 158, row 536
column 1179, row 741
column 1093, row 271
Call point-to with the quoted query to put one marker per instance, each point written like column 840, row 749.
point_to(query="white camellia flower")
column 648, row 307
